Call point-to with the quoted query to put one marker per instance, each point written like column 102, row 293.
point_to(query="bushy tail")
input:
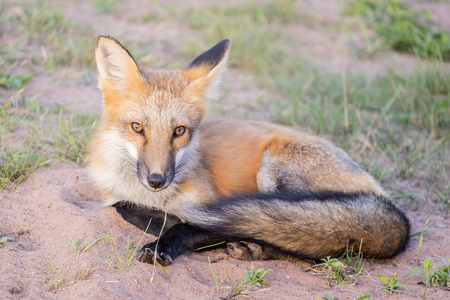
column 309, row 225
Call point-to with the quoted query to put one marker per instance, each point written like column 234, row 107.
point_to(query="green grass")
column 43, row 37
column 3, row 240
column 337, row 271
column 327, row 297
column 439, row 278
column 19, row 160
column 249, row 50
column 74, row 133
column 396, row 124
column 343, row 270
column 256, row 276
column 252, row 277
column 116, row 253
column 419, row 100
column 214, row 274
column 50, row 134
column 14, row 81
column 15, row 166
column 391, row 285
column 402, row 29
column 400, row 120
column 419, row 247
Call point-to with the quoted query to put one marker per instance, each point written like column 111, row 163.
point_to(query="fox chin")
column 265, row 189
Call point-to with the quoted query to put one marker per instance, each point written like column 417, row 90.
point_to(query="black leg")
column 141, row 216
column 178, row 239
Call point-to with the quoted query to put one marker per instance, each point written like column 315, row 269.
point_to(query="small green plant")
column 120, row 253
column 338, row 271
column 327, row 297
column 421, row 236
column 57, row 276
column 16, row 166
column 425, row 272
column 82, row 270
column 14, row 81
column 441, row 277
column 214, row 274
column 412, row 197
column 391, row 285
column 124, row 261
column 240, row 287
column 256, row 277
column 155, row 262
column 236, row 288
column 3, row 240
column 354, row 259
column 335, row 269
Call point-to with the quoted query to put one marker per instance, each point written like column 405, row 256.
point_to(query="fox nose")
column 156, row 181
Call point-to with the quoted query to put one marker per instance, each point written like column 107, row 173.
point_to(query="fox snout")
column 155, row 178
column 156, row 181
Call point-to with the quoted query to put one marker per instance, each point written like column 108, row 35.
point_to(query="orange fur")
column 195, row 73
column 232, row 152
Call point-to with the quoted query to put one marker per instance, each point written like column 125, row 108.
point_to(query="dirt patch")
column 57, row 206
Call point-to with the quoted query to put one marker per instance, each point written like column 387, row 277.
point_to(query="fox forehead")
column 171, row 81
column 163, row 86
column 166, row 114
column 163, row 100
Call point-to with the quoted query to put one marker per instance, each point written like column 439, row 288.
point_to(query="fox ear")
column 116, row 67
column 204, row 72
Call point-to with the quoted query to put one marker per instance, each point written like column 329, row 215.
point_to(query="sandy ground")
column 58, row 206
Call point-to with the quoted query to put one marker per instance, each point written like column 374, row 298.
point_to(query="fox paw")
column 252, row 251
column 147, row 255
column 245, row 251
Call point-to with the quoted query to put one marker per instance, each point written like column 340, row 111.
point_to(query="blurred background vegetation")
column 373, row 76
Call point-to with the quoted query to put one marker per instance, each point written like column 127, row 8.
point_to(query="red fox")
column 263, row 188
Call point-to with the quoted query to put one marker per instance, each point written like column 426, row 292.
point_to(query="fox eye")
column 179, row 131
column 137, row 127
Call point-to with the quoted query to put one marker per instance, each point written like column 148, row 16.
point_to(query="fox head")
column 156, row 113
